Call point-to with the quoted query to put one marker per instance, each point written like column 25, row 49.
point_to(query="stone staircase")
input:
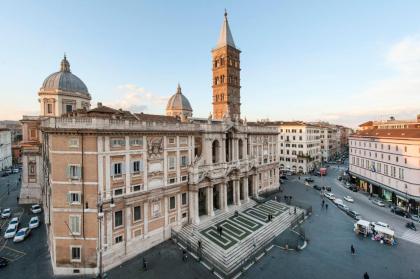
column 227, row 263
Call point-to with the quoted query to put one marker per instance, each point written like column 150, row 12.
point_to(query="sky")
column 345, row 62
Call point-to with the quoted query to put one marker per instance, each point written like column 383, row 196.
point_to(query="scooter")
column 411, row 226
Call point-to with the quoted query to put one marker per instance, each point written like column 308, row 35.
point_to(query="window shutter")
column 112, row 169
column 123, row 168
column 68, row 198
column 79, row 172
column 132, row 166
column 68, row 172
column 141, row 165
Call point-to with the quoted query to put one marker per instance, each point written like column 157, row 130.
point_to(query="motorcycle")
column 411, row 226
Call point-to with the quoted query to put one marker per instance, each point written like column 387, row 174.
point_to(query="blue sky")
column 340, row 61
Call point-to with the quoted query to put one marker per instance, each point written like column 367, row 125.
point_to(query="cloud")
column 137, row 99
column 398, row 95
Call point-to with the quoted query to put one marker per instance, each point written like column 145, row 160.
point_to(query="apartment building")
column 385, row 160
column 114, row 183
column 5, row 149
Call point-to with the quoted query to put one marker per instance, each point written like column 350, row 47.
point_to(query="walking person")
column 144, row 264
column 221, row 231
column 366, row 276
column 326, row 206
column 352, row 250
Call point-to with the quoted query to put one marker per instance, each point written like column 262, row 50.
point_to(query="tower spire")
column 225, row 37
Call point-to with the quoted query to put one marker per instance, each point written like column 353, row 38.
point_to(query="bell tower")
column 226, row 76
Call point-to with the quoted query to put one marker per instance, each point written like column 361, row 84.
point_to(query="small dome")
column 65, row 81
column 178, row 102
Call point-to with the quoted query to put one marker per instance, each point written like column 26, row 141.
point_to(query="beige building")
column 385, row 160
column 114, row 183
column 5, row 149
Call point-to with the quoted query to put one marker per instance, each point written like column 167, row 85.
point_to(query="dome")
column 178, row 102
column 65, row 81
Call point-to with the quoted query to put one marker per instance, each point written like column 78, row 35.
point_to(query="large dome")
column 178, row 102
column 65, row 81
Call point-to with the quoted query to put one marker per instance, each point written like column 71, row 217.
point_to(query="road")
column 367, row 209
column 327, row 255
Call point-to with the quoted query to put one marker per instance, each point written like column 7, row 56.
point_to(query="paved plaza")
column 237, row 228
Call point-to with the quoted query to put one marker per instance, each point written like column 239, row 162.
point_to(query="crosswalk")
column 412, row 236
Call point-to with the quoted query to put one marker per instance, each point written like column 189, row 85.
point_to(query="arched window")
column 215, row 151
column 240, row 147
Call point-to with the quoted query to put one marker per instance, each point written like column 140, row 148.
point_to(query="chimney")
column 99, row 104
column 392, row 118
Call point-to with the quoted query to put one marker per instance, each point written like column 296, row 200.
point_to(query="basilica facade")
column 114, row 183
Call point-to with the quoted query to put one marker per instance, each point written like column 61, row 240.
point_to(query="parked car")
column 308, row 179
column 328, row 188
column 36, row 208
column 3, row 262
column 34, row 222
column 378, row 202
column 343, row 207
column 22, row 234
column 353, row 214
column 329, row 196
column 4, row 174
column 411, row 226
column 338, row 201
column 14, row 221
column 9, row 171
column 353, row 188
column 382, row 224
column 6, row 213
column 316, row 187
column 340, row 178
column 400, row 212
column 348, row 198
column 15, row 170
column 283, row 177
column 10, row 231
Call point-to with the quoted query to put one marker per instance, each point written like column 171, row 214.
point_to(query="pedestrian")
column 200, row 245
column 144, row 264
column 323, row 202
column 184, row 255
column 275, row 198
column 17, row 199
column 352, row 249
column 366, row 276
column 221, row 231
column 295, row 209
column 326, row 206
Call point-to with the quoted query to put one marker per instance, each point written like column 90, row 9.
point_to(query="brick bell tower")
column 226, row 76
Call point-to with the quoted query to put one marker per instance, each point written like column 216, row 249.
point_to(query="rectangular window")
column 73, row 171
column 118, row 192
column 74, row 224
column 171, row 163
column 117, row 169
column 172, row 203
column 73, row 142
column 184, row 198
column 136, row 141
column 118, row 239
column 137, row 213
column 137, row 188
column 183, row 140
column 184, row 161
column 171, row 140
column 74, row 197
column 172, row 180
column 118, row 219
column 117, row 142
column 184, row 178
column 69, row 108
column 137, row 166
column 49, row 108
column 75, row 253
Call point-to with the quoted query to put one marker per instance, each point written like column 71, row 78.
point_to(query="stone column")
column 236, row 192
column 245, row 189
column 255, row 185
column 193, row 199
column 209, row 196
column 223, row 192
column 165, row 208
column 178, row 204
